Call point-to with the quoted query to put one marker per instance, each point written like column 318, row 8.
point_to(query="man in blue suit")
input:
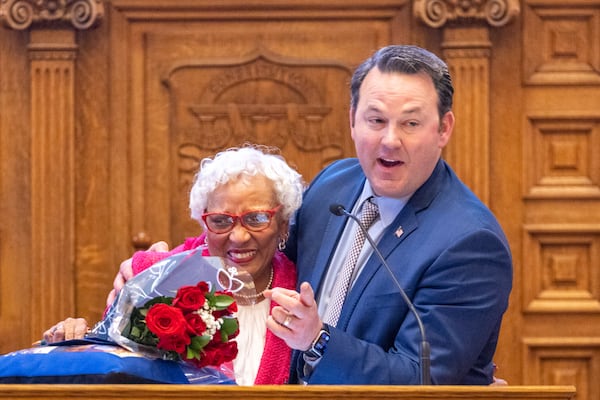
column 443, row 245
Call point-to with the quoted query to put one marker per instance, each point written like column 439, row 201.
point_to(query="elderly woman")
column 243, row 198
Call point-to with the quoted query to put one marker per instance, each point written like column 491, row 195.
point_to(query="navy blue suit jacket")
column 452, row 260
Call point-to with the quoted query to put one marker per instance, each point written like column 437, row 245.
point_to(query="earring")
column 281, row 244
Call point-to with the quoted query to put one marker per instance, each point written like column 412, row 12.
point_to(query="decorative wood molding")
column 437, row 13
column 467, row 50
column 52, row 51
column 23, row 14
column 560, row 269
column 567, row 49
column 260, row 97
column 52, row 65
column 291, row 392
column 561, row 151
column 563, row 360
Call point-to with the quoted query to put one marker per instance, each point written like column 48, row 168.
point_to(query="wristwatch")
column 317, row 349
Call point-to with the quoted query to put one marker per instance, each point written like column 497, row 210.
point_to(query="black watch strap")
column 317, row 349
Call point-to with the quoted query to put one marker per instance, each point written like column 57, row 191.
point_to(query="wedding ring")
column 57, row 327
column 286, row 322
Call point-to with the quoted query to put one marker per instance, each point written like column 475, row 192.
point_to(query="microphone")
column 425, row 351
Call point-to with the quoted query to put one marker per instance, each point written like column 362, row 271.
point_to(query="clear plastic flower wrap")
column 163, row 280
column 106, row 356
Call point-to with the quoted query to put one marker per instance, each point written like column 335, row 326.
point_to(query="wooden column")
column 52, row 49
column 52, row 67
column 467, row 50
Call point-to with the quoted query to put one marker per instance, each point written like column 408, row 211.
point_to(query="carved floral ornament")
column 437, row 13
column 21, row 14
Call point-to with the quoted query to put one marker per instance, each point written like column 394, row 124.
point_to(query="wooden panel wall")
column 106, row 108
column 560, row 276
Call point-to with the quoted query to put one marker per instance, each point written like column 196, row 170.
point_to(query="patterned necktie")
column 368, row 215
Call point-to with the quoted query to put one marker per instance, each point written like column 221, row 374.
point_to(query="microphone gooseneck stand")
column 425, row 351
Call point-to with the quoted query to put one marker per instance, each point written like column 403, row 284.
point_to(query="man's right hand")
column 126, row 272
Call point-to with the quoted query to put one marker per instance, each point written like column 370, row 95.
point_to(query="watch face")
column 319, row 345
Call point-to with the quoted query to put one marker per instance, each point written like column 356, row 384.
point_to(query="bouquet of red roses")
column 196, row 326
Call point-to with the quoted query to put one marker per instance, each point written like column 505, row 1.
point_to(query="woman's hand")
column 70, row 328
column 295, row 319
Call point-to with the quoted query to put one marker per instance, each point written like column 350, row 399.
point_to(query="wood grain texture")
column 101, row 130
column 184, row 392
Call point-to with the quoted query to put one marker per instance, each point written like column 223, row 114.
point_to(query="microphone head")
column 337, row 209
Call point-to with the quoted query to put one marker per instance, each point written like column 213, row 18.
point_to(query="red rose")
column 189, row 298
column 219, row 354
column 232, row 308
column 165, row 320
column 176, row 321
column 175, row 343
column 215, row 355
column 230, row 351
column 202, row 285
column 220, row 313
column 195, row 323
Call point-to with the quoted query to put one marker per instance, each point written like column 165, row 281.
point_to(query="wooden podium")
column 285, row 392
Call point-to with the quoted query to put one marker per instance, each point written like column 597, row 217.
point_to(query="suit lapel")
column 345, row 196
column 405, row 223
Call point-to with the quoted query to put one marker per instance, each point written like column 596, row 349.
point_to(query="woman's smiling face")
column 250, row 251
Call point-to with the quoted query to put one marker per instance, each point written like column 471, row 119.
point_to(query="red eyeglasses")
column 255, row 221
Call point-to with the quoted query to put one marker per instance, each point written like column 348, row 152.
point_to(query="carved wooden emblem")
column 80, row 14
column 262, row 99
column 437, row 13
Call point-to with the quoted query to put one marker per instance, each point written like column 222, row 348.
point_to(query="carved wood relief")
column 561, row 274
column 162, row 84
column 439, row 13
column 567, row 50
column 209, row 86
column 79, row 14
column 562, row 361
column 467, row 50
column 53, row 209
column 563, row 155
column 52, row 53
column 469, row 149
column 561, row 191
column 260, row 98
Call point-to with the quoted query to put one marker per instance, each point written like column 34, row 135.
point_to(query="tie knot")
column 369, row 212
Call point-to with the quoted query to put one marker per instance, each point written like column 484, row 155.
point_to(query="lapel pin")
column 399, row 232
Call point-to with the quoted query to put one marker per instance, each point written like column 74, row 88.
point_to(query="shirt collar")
column 389, row 207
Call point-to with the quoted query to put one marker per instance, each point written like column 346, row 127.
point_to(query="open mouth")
column 388, row 163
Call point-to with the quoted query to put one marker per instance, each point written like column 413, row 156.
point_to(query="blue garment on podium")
column 92, row 361
column 104, row 356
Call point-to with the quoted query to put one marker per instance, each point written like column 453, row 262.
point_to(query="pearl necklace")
column 257, row 295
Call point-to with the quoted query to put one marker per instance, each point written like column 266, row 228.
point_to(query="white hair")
column 240, row 162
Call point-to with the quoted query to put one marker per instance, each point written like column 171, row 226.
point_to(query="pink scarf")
column 275, row 362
